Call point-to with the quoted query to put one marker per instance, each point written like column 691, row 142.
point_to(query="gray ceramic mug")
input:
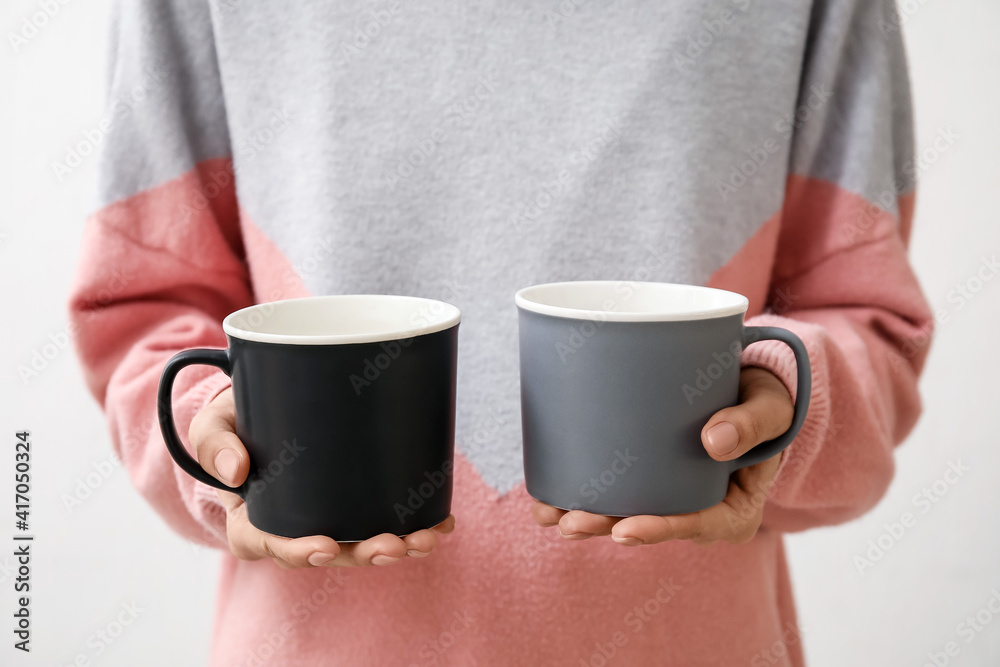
column 617, row 381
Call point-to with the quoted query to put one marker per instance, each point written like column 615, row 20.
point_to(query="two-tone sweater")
column 460, row 151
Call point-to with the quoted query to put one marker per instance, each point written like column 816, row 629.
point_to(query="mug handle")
column 165, row 410
column 803, row 374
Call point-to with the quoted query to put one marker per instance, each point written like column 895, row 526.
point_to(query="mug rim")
column 738, row 303
column 448, row 318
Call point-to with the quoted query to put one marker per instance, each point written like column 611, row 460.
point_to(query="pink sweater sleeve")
column 841, row 279
column 862, row 316
column 141, row 296
column 162, row 257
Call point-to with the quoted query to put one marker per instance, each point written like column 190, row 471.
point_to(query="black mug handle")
column 803, row 374
column 165, row 410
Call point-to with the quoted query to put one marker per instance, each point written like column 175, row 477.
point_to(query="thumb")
column 219, row 450
column 764, row 412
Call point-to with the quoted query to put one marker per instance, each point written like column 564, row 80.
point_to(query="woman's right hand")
column 221, row 453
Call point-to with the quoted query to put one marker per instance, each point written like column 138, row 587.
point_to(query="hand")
column 764, row 412
column 222, row 455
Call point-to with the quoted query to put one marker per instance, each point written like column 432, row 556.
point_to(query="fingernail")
column 413, row 553
column 723, row 438
column 575, row 536
column 320, row 558
column 227, row 463
column 382, row 559
column 627, row 541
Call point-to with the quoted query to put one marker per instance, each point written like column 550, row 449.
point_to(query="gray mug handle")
column 803, row 373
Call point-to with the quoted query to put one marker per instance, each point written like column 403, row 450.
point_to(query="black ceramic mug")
column 617, row 381
column 346, row 405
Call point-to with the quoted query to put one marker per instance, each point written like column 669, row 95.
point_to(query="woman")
column 462, row 152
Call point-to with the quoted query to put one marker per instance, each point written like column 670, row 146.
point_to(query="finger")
column 247, row 542
column 213, row 435
column 638, row 530
column 704, row 527
column 312, row 551
column 546, row 515
column 384, row 549
column 765, row 412
column 579, row 525
column 446, row 527
column 229, row 500
column 421, row 543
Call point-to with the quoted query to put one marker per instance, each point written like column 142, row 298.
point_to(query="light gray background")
column 113, row 550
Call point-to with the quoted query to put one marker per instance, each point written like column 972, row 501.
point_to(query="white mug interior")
column 630, row 301
column 341, row 319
